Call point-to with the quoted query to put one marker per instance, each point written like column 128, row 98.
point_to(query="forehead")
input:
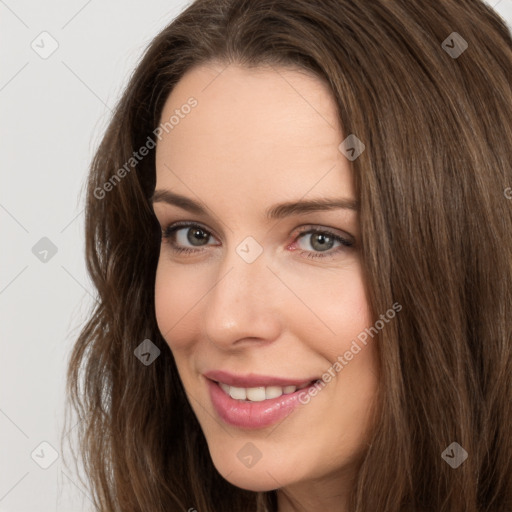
column 253, row 132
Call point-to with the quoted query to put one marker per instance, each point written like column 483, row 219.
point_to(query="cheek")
column 350, row 316
column 334, row 305
column 178, row 290
column 341, row 314
column 349, row 312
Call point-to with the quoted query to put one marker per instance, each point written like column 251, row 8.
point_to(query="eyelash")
column 169, row 231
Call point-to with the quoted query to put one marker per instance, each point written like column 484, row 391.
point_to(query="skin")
column 259, row 137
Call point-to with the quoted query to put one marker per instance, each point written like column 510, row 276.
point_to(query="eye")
column 321, row 241
column 186, row 237
column 190, row 237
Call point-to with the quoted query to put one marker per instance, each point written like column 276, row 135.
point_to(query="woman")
column 299, row 229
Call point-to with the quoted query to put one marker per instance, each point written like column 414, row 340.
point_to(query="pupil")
column 322, row 240
column 194, row 235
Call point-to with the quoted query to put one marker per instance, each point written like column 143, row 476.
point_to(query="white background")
column 53, row 112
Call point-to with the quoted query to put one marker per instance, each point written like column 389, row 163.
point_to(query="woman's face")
column 269, row 293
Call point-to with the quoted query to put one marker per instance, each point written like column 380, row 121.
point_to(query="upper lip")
column 253, row 380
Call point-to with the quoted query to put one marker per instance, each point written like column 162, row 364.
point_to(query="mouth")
column 261, row 393
column 255, row 407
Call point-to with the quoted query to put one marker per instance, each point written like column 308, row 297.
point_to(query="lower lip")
column 253, row 414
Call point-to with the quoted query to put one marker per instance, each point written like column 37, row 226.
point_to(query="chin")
column 251, row 479
column 267, row 474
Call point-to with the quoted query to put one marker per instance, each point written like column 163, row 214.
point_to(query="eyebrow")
column 277, row 211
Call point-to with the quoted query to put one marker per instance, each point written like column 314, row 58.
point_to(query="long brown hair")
column 434, row 110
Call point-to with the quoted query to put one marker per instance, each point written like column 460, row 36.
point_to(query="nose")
column 243, row 305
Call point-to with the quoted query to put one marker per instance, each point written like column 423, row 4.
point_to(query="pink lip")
column 253, row 381
column 252, row 415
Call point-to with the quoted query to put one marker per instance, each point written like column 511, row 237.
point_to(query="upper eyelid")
column 176, row 226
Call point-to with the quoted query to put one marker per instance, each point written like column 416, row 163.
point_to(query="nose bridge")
column 241, row 303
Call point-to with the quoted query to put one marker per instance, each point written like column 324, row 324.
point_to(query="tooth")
column 273, row 391
column 225, row 387
column 256, row 394
column 237, row 393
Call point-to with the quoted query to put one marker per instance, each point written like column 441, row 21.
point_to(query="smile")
column 246, row 402
column 260, row 393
